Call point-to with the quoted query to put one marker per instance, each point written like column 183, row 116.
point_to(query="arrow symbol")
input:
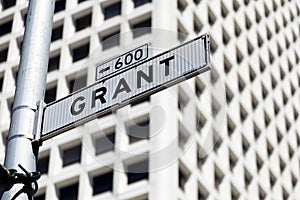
column 104, row 70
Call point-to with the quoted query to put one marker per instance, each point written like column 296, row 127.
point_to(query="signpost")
column 126, row 83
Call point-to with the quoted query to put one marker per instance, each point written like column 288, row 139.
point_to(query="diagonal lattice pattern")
column 255, row 49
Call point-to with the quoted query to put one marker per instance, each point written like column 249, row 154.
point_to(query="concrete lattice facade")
column 255, row 47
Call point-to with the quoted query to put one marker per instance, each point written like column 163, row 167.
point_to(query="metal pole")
column 29, row 91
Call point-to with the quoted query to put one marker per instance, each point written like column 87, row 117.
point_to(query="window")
column 24, row 16
column 211, row 17
column 182, row 101
column 43, row 164
column 138, row 132
column 224, row 10
column 110, row 40
column 83, row 22
column 233, row 159
column 50, row 95
column 201, row 157
column 103, row 183
column 138, row 3
column 10, row 104
column 20, row 44
column 112, row 10
column 1, row 82
column 200, row 121
column 181, row 5
column 141, row 100
column 259, row 162
column 80, row 52
column 77, row 83
column 199, row 87
column 181, row 32
column 69, row 192
column 71, row 155
column 138, row 171
column 4, row 138
column 53, row 63
column 80, row 1
column 197, row 25
column 202, row 192
column 3, row 54
column 219, row 175
column 105, row 143
column 59, row 5
column 141, row 28
column 40, row 197
column 8, row 3
column 183, row 178
column 6, row 27
column 234, row 193
column 15, row 72
column 57, row 33
column 247, row 177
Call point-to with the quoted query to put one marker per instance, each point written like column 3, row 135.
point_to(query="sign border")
column 128, row 101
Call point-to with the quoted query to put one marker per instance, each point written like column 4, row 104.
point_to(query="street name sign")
column 127, row 85
column 123, row 61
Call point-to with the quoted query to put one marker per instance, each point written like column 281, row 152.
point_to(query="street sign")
column 123, row 61
column 127, row 86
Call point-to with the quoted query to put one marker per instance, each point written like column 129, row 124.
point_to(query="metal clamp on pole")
column 10, row 177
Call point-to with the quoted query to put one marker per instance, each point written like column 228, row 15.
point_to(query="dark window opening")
column 105, row 143
column 141, row 100
column 138, row 3
column 77, row 83
column 10, row 104
column 4, row 138
column 183, row 178
column 1, row 82
column 202, row 193
column 40, row 197
column 181, row 5
column 24, row 17
column 50, row 95
column 59, row 5
column 6, row 27
column 80, row 1
column 20, row 44
column 57, row 33
column 103, row 183
column 3, row 55
column 112, row 10
column 71, row 155
column 80, row 52
column 141, row 28
column 139, row 131
column 69, row 192
column 15, row 72
column 8, row 3
column 83, row 22
column 110, row 40
column 53, row 63
column 137, row 172
column 43, row 165
column 219, row 176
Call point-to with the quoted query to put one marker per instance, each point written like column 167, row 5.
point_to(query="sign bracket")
column 38, row 125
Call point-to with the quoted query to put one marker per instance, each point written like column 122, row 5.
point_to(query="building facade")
column 230, row 133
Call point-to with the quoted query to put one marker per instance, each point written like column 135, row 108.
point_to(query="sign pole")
column 30, row 90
